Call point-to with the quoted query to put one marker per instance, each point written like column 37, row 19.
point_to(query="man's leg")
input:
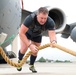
column 20, row 58
column 33, row 58
column 36, row 41
column 21, row 53
column 32, row 61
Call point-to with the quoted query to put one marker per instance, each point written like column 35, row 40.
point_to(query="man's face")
column 42, row 18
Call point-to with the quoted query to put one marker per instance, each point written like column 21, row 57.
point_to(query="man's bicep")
column 28, row 21
column 23, row 29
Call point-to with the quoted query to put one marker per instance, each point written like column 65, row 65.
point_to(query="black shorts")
column 37, row 39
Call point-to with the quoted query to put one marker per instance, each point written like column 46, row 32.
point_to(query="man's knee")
column 34, row 54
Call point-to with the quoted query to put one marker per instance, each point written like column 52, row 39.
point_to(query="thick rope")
column 65, row 49
column 29, row 53
column 23, row 60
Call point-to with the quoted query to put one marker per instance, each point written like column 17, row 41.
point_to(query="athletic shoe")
column 19, row 68
column 32, row 68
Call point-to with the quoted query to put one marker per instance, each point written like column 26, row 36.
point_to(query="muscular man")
column 31, row 34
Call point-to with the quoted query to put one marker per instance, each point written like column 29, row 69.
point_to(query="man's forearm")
column 52, row 36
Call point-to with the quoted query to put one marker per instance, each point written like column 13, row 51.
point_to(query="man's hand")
column 52, row 43
column 33, row 48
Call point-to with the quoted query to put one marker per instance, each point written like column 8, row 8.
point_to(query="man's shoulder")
column 29, row 18
column 33, row 15
column 49, row 18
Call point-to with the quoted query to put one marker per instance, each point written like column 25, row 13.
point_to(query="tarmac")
column 42, row 68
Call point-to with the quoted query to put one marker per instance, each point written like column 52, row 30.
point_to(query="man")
column 30, row 34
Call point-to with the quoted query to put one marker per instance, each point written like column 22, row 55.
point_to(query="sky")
column 68, row 7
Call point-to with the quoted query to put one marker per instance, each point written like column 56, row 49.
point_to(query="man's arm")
column 22, row 31
column 52, row 36
column 27, row 42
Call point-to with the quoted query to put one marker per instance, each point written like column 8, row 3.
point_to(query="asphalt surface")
column 42, row 68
